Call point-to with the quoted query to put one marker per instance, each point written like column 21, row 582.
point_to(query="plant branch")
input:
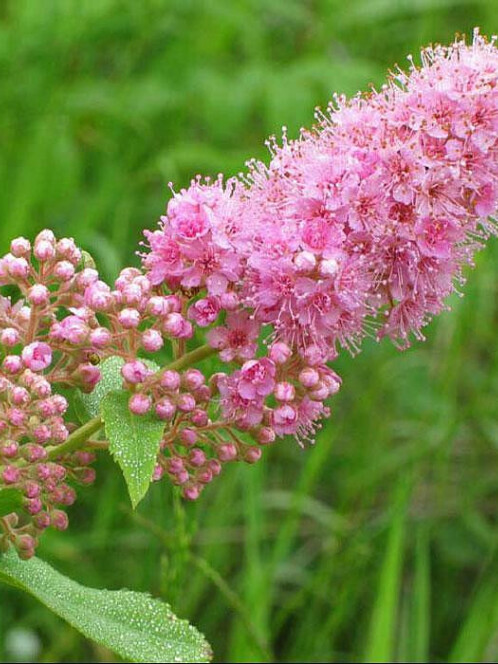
column 189, row 359
column 77, row 439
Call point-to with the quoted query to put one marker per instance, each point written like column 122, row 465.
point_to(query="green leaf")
column 89, row 404
column 133, row 441
column 10, row 500
column 134, row 625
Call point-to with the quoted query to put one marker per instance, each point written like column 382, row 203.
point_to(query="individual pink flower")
column 237, row 339
column 244, row 412
column 257, row 378
column 285, row 419
column 205, row 311
column 37, row 356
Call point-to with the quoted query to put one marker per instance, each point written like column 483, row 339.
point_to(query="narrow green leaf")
column 384, row 621
column 89, row 404
column 10, row 500
column 134, row 625
column 479, row 630
column 133, row 441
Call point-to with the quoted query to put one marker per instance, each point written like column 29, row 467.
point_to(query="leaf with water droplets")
column 133, row 441
column 10, row 500
column 88, row 405
column 134, row 625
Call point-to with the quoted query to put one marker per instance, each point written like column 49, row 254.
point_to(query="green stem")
column 189, row 359
column 79, row 437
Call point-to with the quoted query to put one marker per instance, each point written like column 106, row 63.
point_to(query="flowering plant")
column 361, row 226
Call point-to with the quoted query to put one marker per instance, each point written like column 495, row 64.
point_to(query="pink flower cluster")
column 362, row 225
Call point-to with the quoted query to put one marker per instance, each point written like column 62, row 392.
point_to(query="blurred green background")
column 378, row 544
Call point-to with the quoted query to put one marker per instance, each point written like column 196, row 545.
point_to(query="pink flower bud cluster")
column 32, row 424
column 32, row 363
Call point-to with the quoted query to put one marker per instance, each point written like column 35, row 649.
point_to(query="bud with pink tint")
column 37, row 356
column 152, row 341
column 9, row 337
column 20, row 247
column 38, row 295
column 135, row 372
column 139, row 404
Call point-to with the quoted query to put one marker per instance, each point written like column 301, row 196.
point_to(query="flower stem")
column 189, row 359
column 77, row 439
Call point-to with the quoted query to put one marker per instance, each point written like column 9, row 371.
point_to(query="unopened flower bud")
column 129, row 318
column 9, row 337
column 20, row 247
column 191, row 492
column 284, row 391
column 186, row 402
column 280, row 352
column 152, row 341
column 38, row 295
column 165, row 409
column 193, row 379
column 252, row 454
column 226, row 452
column 139, row 404
column 135, row 372
column 305, row 261
column 309, row 377
column 188, row 437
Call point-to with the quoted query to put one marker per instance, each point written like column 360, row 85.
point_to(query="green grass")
column 378, row 544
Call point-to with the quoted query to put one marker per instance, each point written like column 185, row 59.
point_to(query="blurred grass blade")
column 384, row 622
column 481, row 624
column 420, row 619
